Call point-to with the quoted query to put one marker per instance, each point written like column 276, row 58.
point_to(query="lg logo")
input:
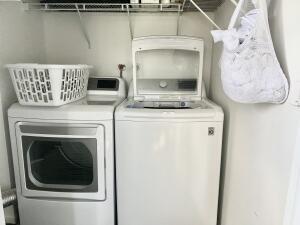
column 211, row 131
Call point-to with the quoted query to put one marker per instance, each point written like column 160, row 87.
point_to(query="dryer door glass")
column 63, row 164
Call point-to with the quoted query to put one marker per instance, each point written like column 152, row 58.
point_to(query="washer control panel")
column 163, row 84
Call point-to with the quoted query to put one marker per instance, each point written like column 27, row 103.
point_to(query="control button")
column 163, row 84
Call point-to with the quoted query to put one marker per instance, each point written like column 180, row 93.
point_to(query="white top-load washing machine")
column 168, row 138
column 64, row 158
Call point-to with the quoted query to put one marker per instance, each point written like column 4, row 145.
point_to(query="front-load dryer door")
column 61, row 160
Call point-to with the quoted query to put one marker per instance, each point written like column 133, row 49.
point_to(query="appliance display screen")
column 107, row 84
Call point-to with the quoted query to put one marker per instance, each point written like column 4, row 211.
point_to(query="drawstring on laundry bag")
column 250, row 70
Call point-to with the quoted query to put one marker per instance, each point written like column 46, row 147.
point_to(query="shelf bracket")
column 129, row 21
column 205, row 15
column 82, row 27
column 178, row 22
column 179, row 15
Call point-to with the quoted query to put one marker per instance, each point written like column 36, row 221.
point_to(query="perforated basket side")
column 49, row 86
column 73, row 84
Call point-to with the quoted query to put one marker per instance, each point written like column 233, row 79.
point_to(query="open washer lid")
column 167, row 68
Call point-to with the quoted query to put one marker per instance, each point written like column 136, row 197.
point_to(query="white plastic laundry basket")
column 49, row 85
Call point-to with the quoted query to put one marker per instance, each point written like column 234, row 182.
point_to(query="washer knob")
column 163, row 84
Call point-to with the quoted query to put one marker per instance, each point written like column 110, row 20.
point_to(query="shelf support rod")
column 179, row 15
column 178, row 22
column 234, row 2
column 183, row 4
column 129, row 21
column 83, row 29
column 205, row 15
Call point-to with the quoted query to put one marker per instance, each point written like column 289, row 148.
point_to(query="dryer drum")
column 65, row 163
column 73, row 153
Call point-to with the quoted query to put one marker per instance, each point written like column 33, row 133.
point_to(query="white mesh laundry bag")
column 250, row 70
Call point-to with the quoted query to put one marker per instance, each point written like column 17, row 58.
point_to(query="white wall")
column 110, row 38
column 290, row 41
column 259, row 139
column 21, row 40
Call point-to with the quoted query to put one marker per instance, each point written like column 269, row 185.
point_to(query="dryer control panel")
column 106, row 86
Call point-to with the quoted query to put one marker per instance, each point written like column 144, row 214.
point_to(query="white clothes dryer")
column 168, row 138
column 64, row 158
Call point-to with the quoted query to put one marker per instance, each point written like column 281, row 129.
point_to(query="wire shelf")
column 104, row 7
column 179, row 6
column 184, row 5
